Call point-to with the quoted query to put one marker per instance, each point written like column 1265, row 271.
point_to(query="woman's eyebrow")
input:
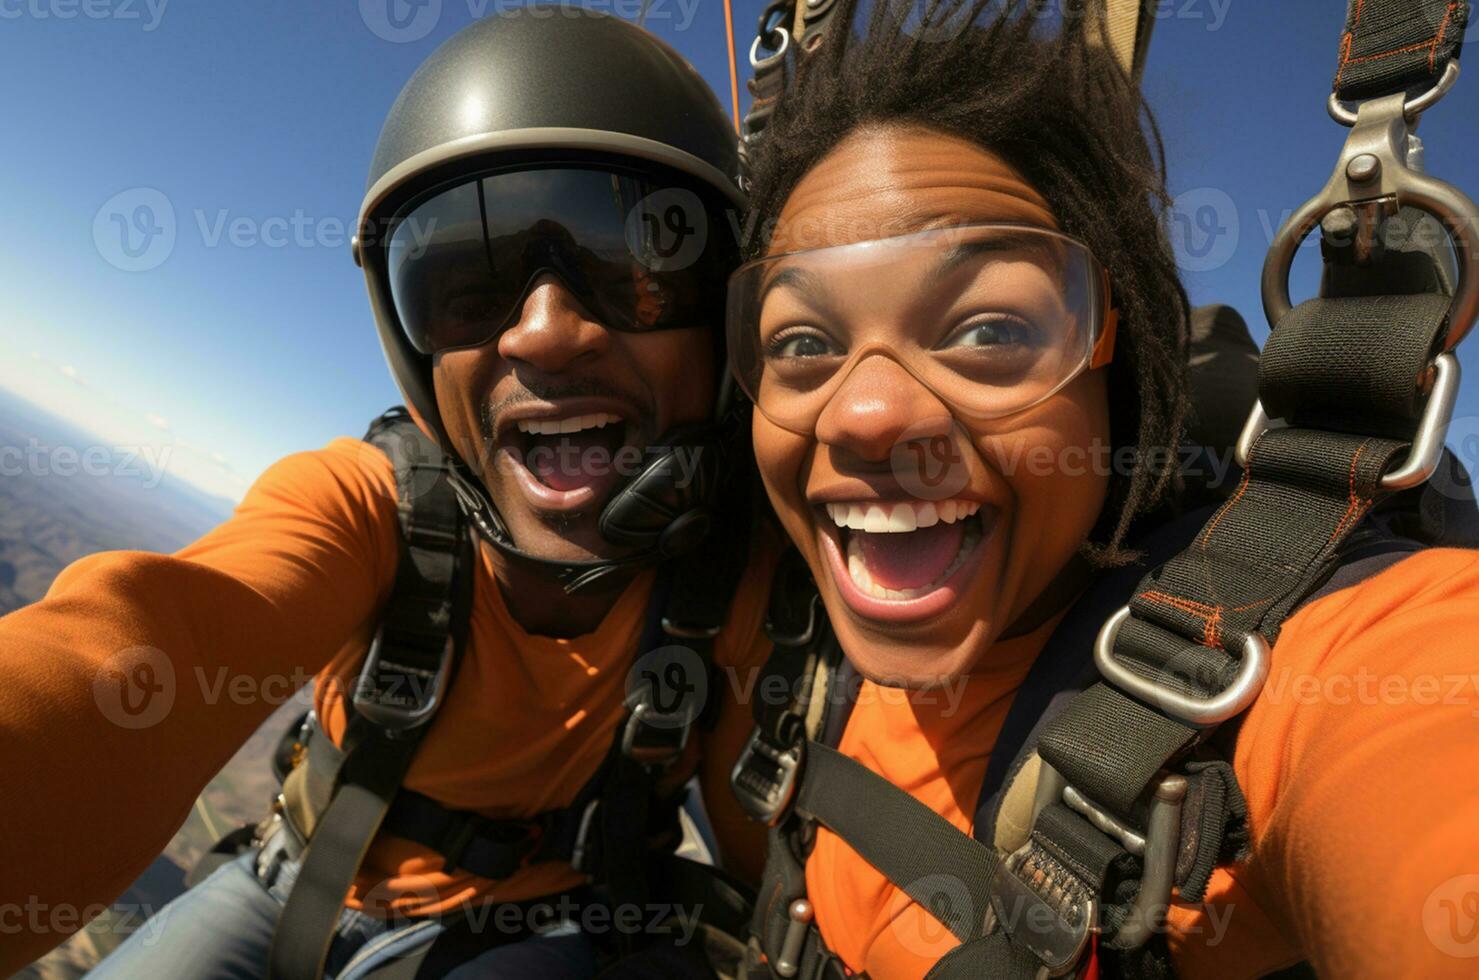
column 798, row 279
column 957, row 255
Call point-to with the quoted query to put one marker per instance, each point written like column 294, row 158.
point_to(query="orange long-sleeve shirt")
column 138, row 676
column 1358, row 765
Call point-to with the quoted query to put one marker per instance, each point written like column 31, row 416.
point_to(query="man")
column 545, row 246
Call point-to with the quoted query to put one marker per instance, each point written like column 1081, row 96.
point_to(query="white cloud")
column 61, row 390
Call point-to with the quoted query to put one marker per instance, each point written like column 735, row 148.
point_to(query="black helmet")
column 537, row 84
column 540, row 79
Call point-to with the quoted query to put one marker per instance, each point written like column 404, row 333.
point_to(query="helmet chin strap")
column 663, row 511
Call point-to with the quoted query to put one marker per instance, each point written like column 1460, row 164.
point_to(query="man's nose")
column 553, row 331
column 879, row 405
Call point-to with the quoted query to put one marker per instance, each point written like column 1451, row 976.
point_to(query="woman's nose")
column 553, row 331
column 878, row 406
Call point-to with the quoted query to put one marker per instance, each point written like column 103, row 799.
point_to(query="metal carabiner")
column 1373, row 170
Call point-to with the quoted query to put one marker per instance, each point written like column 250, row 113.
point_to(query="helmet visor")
column 638, row 253
column 992, row 318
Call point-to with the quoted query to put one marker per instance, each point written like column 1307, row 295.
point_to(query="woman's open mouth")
column 566, row 460
column 904, row 561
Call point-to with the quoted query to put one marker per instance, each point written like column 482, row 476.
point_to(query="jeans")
column 222, row 930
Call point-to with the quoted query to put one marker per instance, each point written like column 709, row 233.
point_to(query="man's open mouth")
column 904, row 560
column 568, row 460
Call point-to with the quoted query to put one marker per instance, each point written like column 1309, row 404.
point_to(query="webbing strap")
column 309, row 916
column 410, row 662
column 914, row 847
column 1329, row 368
column 1395, row 45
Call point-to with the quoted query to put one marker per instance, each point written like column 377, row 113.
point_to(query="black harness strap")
column 407, row 669
column 912, row 845
column 1064, row 668
column 1395, row 45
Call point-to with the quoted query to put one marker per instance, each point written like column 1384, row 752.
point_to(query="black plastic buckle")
column 519, row 837
column 398, row 697
column 655, row 745
column 764, row 777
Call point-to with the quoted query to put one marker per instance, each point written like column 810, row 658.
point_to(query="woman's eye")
column 800, row 344
column 995, row 332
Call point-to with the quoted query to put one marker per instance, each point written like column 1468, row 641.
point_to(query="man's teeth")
column 858, row 570
column 895, row 518
column 575, row 423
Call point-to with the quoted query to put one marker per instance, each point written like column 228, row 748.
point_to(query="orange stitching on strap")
column 1438, row 38
column 1357, row 505
column 1347, row 42
column 1387, row 54
column 1211, row 616
column 1176, row 602
column 1243, row 486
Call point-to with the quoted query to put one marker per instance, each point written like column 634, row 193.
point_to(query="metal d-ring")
column 1195, row 711
column 780, row 52
column 1427, row 445
column 1413, row 107
column 1373, row 169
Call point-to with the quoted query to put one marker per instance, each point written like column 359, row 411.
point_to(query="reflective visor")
column 639, row 254
column 992, row 318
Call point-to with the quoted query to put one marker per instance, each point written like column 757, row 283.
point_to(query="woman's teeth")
column 857, row 568
column 896, row 518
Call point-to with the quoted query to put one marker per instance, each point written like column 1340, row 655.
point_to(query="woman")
column 966, row 343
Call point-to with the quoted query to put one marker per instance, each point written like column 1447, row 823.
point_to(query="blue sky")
column 238, row 349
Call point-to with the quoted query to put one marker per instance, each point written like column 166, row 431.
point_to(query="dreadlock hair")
column 1052, row 100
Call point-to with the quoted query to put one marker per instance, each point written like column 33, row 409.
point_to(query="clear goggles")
column 639, row 252
column 993, row 319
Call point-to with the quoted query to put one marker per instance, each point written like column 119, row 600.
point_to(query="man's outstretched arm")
column 138, row 675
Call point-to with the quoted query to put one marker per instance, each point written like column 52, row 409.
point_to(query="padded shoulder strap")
column 407, row 669
column 1066, row 664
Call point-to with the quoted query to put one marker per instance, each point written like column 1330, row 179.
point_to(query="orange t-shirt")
column 139, row 675
column 1356, row 761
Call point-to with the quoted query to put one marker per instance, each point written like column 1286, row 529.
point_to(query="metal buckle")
column 1195, row 711
column 1412, row 108
column 1157, row 848
column 1427, row 445
column 778, row 634
column 580, row 851
column 646, row 750
column 1049, row 917
column 764, row 778
column 390, row 708
column 687, row 631
column 758, row 62
column 1373, row 170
